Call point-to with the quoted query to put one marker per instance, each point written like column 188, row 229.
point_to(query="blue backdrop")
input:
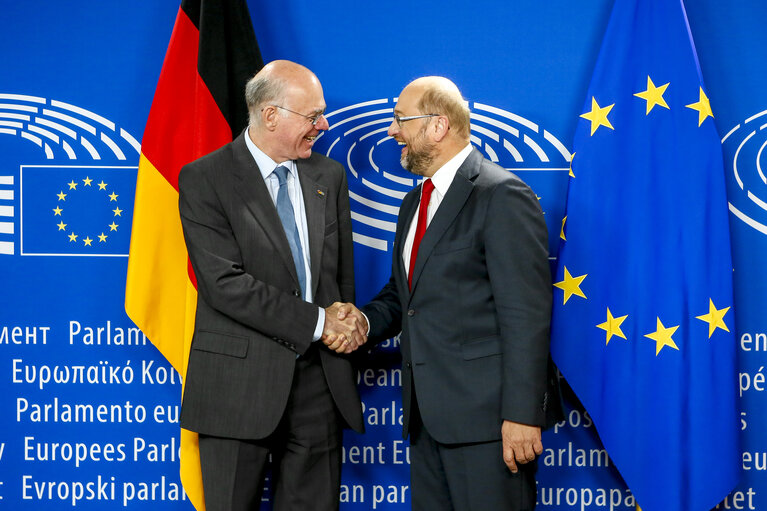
column 89, row 409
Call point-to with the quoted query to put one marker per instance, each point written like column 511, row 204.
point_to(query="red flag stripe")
column 184, row 122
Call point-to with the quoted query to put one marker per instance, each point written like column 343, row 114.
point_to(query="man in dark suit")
column 471, row 292
column 268, row 230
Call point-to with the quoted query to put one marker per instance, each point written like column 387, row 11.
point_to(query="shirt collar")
column 444, row 176
column 265, row 164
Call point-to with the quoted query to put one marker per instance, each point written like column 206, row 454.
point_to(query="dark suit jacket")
column 475, row 328
column 251, row 321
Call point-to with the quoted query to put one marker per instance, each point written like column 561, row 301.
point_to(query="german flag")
column 198, row 106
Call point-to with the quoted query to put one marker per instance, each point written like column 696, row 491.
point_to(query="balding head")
column 431, row 122
column 285, row 104
column 438, row 95
column 273, row 83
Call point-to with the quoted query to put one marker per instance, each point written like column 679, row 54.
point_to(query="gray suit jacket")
column 251, row 321
column 475, row 328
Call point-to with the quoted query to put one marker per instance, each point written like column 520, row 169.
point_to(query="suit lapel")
column 253, row 192
column 315, row 196
column 452, row 204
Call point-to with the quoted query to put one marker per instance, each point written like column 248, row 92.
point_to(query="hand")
column 521, row 443
column 345, row 328
column 348, row 309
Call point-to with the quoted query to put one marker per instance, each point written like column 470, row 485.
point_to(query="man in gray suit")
column 470, row 290
column 268, row 230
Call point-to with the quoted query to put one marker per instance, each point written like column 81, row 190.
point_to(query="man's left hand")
column 345, row 328
column 521, row 443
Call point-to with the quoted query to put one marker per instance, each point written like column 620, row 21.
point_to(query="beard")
column 420, row 155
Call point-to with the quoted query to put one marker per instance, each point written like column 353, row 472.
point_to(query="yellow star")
column 113, row 196
column 73, row 237
column 113, row 226
column 714, row 318
column 662, row 337
column 703, row 106
column 87, row 181
column 72, row 185
column 57, row 211
column 571, row 285
column 562, row 232
column 62, row 196
column 87, row 241
column 62, row 226
column 117, row 211
column 612, row 326
column 571, row 165
column 102, row 238
column 653, row 95
column 598, row 115
column 102, row 185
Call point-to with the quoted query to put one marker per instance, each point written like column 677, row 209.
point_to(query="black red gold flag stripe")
column 198, row 106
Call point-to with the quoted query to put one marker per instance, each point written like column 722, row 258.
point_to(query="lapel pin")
column 320, row 192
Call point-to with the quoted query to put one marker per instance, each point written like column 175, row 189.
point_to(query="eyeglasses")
column 314, row 119
column 400, row 120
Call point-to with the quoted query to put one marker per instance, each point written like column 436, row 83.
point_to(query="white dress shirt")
column 266, row 165
column 442, row 180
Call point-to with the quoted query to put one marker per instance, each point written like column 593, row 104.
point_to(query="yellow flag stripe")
column 159, row 296
column 191, row 473
column 157, row 267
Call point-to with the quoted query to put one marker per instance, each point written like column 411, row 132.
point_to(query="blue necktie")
column 285, row 210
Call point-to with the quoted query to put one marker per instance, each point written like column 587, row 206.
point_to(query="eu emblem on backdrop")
column 744, row 146
column 643, row 324
column 76, row 210
column 358, row 137
column 67, row 184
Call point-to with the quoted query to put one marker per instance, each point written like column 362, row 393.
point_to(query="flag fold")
column 643, row 327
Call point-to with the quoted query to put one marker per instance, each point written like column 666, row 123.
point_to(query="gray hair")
column 263, row 89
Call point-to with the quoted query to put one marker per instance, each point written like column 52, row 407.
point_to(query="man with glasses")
column 470, row 291
column 268, row 230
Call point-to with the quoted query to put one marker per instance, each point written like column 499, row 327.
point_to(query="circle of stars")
column 570, row 285
column 71, row 234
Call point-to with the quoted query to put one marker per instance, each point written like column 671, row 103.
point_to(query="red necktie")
column 420, row 228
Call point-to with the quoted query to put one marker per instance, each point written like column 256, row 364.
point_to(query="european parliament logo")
column 65, row 186
column 746, row 159
column 358, row 138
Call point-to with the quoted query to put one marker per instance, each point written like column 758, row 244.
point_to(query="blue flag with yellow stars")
column 642, row 324
column 76, row 210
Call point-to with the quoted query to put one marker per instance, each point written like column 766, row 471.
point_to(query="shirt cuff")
column 366, row 321
column 320, row 325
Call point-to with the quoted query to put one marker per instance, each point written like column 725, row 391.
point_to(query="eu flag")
column 643, row 324
column 76, row 210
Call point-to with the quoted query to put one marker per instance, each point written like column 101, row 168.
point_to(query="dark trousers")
column 465, row 477
column 305, row 450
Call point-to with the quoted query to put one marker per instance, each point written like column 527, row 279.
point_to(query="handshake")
column 345, row 328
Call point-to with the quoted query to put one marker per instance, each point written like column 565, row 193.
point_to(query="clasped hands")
column 345, row 328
